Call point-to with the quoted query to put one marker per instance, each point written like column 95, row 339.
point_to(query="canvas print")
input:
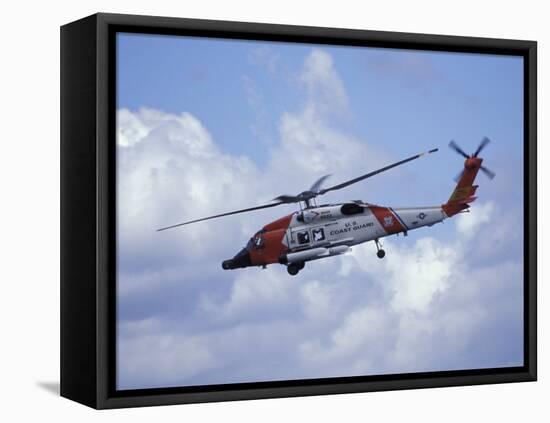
column 293, row 211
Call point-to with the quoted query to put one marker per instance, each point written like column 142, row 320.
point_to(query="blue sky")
column 269, row 118
column 403, row 101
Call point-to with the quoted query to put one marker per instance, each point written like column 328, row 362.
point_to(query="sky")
column 207, row 125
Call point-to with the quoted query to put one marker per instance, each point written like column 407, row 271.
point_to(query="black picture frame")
column 88, row 244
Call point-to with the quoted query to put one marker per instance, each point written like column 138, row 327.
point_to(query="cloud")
column 312, row 142
column 130, row 128
column 418, row 276
column 260, row 127
column 174, row 173
column 326, row 92
column 469, row 223
column 179, row 358
column 414, row 68
column 433, row 294
column 429, row 305
column 265, row 57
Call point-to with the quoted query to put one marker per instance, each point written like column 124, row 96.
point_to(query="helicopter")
column 319, row 231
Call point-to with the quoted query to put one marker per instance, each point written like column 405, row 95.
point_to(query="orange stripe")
column 387, row 219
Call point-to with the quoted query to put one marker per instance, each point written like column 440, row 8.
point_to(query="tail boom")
column 464, row 192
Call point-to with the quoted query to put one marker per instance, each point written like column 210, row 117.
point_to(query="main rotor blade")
column 317, row 185
column 482, row 145
column 288, row 199
column 376, row 172
column 265, row 206
column 459, row 150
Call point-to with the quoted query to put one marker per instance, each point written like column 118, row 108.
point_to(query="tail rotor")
column 484, row 142
column 489, row 173
column 459, row 150
column 464, row 193
column 482, row 145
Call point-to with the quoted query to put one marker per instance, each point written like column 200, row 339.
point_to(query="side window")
column 351, row 208
column 318, row 234
column 303, row 237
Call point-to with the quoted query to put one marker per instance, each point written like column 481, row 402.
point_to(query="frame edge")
column 78, row 212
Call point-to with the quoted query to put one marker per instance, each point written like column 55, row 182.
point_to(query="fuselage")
column 328, row 230
column 332, row 229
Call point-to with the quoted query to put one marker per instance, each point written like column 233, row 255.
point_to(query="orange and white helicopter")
column 319, row 231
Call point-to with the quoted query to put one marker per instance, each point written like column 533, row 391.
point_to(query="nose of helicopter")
column 242, row 259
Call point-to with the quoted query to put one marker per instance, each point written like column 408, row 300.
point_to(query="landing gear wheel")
column 301, row 265
column 293, row 269
column 380, row 253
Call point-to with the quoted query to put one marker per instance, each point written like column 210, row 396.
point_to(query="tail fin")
column 464, row 192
